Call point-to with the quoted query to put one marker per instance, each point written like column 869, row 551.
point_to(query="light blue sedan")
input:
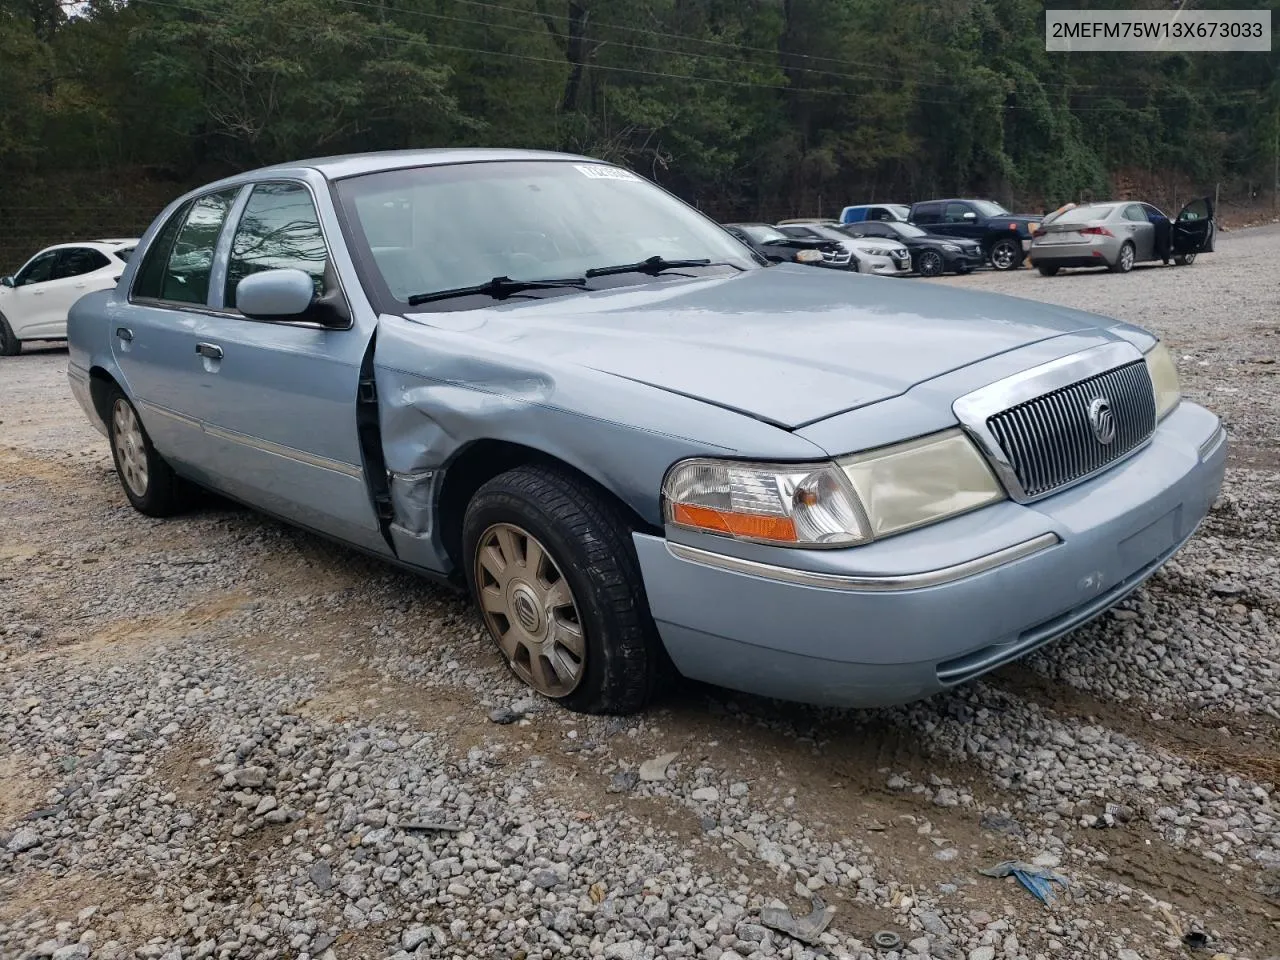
column 544, row 379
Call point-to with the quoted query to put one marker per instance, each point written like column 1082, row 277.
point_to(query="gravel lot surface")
column 220, row 737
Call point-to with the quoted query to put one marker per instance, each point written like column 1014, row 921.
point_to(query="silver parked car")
column 545, row 380
column 1119, row 234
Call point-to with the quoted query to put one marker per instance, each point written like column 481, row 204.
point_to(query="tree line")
column 740, row 105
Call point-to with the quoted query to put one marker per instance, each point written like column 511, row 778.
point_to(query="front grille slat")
column 1050, row 441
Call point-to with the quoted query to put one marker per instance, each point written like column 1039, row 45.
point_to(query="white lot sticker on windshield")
column 600, row 172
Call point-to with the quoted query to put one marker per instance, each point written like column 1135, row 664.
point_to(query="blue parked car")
column 544, row 380
column 875, row 211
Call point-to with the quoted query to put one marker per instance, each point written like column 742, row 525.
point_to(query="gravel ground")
column 220, row 737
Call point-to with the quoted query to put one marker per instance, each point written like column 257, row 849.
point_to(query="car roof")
column 107, row 244
column 355, row 164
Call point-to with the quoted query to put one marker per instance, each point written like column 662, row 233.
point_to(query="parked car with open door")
column 1121, row 233
column 35, row 300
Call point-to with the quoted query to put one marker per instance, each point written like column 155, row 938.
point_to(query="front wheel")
column 1184, row 259
column 551, row 565
column 1048, row 269
column 148, row 481
column 1005, row 254
column 1124, row 262
column 930, row 264
column 10, row 345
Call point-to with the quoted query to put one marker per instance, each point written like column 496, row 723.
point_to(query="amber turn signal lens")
column 753, row 526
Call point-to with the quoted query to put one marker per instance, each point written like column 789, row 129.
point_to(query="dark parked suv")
column 1005, row 236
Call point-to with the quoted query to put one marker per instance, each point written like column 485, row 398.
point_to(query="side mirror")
column 284, row 294
column 970, row 215
column 6, row 281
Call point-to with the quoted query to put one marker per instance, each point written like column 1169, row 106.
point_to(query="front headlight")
column 950, row 248
column 1164, row 378
column 808, row 256
column 851, row 501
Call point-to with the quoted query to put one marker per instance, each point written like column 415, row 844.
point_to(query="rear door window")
column 77, row 261
column 186, row 276
column 150, row 277
column 928, row 213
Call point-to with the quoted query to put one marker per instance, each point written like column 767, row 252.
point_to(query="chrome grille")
column 1050, row 441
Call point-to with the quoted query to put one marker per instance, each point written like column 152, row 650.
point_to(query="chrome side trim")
column 280, row 450
column 975, row 408
column 182, row 418
column 869, row 583
column 255, row 443
column 1210, row 446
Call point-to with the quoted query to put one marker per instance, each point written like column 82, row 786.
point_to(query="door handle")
column 124, row 333
column 210, row 350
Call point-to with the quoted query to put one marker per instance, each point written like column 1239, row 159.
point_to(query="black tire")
column 1124, row 259
column 1048, row 269
column 10, row 345
column 162, row 493
column 1005, row 254
column 1184, row 259
column 589, row 541
column 930, row 264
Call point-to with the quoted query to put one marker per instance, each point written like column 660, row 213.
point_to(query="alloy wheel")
column 930, row 264
column 530, row 610
column 1126, row 258
column 1003, row 255
column 131, row 447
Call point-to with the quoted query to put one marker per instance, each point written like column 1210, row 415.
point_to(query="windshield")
column 898, row 210
column 762, row 234
column 989, row 209
column 906, row 229
column 436, row 228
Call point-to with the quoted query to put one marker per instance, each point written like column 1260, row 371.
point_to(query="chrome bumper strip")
column 865, row 583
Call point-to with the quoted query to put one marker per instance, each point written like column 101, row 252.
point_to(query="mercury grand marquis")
column 547, row 381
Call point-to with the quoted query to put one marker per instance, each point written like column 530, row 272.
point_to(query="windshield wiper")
column 652, row 266
column 499, row 288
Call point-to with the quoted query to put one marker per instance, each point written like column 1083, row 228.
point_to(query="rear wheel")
column 551, row 565
column 1124, row 262
column 1048, row 269
column 1005, row 254
column 1184, row 259
column 150, row 484
column 10, row 345
column 929, row 264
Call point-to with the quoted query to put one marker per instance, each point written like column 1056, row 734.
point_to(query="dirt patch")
column 1228, row 743
column 20, row 793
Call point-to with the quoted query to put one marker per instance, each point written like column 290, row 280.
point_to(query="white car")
column 885, row 257
column 35, row 300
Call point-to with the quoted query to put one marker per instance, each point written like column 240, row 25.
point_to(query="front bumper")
column 915, row 614
column 963, row 260
column 885, row 266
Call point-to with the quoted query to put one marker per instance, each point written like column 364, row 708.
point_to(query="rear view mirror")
column 970, row 215
column 283, row 294
column 6, row 281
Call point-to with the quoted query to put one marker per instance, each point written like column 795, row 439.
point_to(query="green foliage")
column 751, row 106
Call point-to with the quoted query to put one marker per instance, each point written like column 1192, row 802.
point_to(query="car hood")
column 787, row 345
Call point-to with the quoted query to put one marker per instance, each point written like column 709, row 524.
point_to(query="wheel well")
column 100, row 384
column 483, row 460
